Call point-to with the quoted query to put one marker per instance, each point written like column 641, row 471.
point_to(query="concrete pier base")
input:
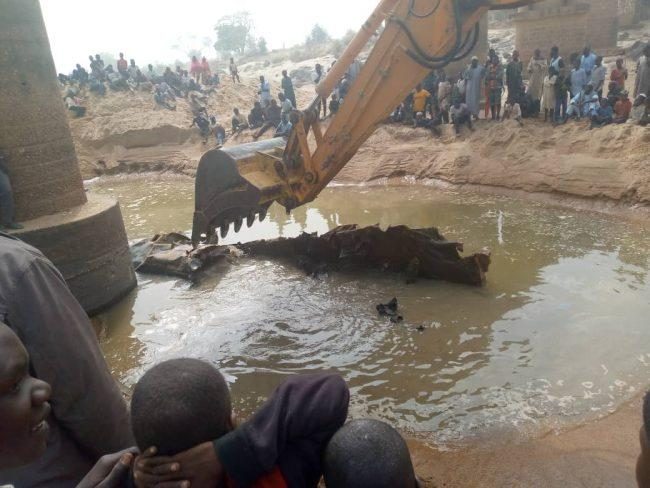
column 82, row 234
column 89, row 246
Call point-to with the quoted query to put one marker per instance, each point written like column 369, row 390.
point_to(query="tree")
column 262, row 48
column 234, row 33
column 318, row 35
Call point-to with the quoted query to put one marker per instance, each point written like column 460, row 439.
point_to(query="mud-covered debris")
column 389, row 308
column 173, row 255
column 419, row 253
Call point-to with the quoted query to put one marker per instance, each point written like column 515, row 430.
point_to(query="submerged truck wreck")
column 417, row 253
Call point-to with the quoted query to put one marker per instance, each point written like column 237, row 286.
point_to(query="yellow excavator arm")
column 239, row 183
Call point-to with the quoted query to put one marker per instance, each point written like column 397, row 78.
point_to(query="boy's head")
column 24, row 405
column 368, row 454
column 179, row 404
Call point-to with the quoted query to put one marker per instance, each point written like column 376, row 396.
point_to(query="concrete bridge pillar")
column 83, row 234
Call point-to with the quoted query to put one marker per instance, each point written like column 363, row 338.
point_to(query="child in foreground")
column 181, row 413
column 24, row 415
column 368, row 454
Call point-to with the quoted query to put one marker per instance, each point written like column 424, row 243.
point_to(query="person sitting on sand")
column 272, row 118
column 24, row 413
column 133, row 70
column 422, row 121
column 622, row 109
column 584, row 104
column 203, row 123
column 218, row 131
column 74, row 104
column 80, row 75
column 116, row 81
column 613, row 93
column 368, row 453
column 183, row 408
column 284, row 129
column 164, row 96
column 286, row 107
column 256, row 117
column 460, row 114
column 238, row 121
column 603, row 116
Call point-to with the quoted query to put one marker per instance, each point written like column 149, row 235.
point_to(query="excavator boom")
column 417, row 36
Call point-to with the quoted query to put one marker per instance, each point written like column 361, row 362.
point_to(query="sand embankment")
column 609, row 163
column 601, row 453
column 126, row 132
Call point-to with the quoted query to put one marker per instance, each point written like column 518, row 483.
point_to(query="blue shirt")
column 578, row 81
column 587, row 63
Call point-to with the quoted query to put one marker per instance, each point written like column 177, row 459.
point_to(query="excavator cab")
column 240, row 183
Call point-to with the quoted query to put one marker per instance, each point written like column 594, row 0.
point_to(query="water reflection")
column 560, row 330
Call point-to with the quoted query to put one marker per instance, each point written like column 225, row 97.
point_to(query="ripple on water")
column 558, row 333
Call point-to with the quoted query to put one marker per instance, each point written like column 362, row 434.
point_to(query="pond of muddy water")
column 560, row 332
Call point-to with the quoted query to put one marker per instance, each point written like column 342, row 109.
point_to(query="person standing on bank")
column 537, row 69
column 287, row 87
column 6, row 199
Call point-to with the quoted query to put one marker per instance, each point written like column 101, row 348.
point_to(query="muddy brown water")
column 560, row 333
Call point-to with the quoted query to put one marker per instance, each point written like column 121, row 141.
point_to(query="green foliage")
column 262, row 48
column 234, row 33
column 318, row 35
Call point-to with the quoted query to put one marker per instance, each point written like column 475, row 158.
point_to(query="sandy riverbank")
column 601, row 453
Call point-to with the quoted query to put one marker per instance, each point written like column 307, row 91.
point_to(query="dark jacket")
column 89, row 416
column 290, row 432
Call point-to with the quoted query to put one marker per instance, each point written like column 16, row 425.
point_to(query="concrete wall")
column 569, row 24
column 630, row 12
column 35, row 135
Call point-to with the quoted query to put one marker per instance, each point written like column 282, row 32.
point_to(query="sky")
column 164, row 31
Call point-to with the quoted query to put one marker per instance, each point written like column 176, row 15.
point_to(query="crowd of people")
column 579, row 88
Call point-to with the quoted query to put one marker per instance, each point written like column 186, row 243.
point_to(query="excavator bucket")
column 418, row 36
column 233, row 185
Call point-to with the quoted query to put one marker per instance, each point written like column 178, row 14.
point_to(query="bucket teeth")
column 224, row 228
column 263, row 214
column 238, row 223
column 250, row 219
